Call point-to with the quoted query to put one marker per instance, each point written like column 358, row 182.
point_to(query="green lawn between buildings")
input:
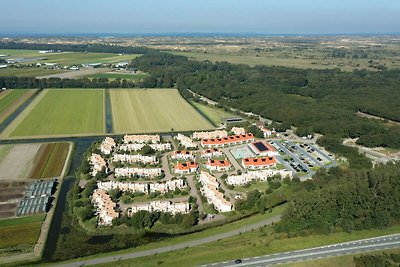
column 216, row 115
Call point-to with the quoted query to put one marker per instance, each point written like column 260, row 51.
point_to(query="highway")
column 193, row 243
column 352, row 247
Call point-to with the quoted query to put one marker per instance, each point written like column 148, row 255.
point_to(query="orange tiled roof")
column 229, row 139
column 219, row 163
column 186, row 166
column 259, row 161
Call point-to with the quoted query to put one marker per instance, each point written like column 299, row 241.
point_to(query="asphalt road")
column 193, row 243
column 352, row 247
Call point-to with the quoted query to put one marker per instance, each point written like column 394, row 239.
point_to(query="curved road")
column 197, row 242
column 334, row 250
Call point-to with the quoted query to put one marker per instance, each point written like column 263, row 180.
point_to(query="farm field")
column 154, row 110
column 28, row 72
column 19, row 235
column 61, row 112
column 50, row 160
column 11, row 99
column 16, row 161
column 216, row 115
column 67, row 58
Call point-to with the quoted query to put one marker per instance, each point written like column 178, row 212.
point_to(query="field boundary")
column 16, row 104
column 14, row 124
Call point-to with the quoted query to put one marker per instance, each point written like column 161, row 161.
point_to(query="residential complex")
column 161, row 206
column 141, row 172
column 135, row 158
column 208, row 135
column 210, row 153
column 258, row 163
column 137, row 147
column 209, row 189
column 186, row 141
column 186, row 168
column 97, row 163
column 261, row 175
column 182, row 155
column 263, row 149
column 107, row 146
column 238, row 130
column 218, row 165
column 162, row 187
column 105, row 207
column 226, row 141
column 142, row 138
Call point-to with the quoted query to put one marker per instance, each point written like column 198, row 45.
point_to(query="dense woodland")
column 345, row 199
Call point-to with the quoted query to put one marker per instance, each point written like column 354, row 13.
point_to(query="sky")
column 199, row 16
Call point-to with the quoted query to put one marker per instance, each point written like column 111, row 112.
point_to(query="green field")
column 216, row 115
column 67, row 58
column 154, row 110
column 27, row 72
column 61, row 112
column 117, row 75
column 20, row 234
column 11, row 99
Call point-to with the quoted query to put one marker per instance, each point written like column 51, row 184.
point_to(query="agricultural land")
column 61, row 112
column 10, row 100
column 154, row 110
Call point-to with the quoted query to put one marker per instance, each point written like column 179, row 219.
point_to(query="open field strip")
column 50, row 160
column 19, row 235
column 18, row 161
column 12, row 101
column 4, row 93
column 28, row 72
column 154, row 110
column 61, row 112
column 116, row 75
column 216, row 115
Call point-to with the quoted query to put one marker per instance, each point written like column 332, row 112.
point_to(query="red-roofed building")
column 258, row 163
column 187, row 167
column 213, row 152
column 182, row 155
column 218, row 165
column 230, row 140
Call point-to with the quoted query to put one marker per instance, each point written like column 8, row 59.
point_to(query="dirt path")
column 75, row 73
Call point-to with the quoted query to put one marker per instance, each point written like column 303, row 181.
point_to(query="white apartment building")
column 98, row 164
column 208, row 135
column 137, row 147
column 210, row 153
column 185, row 141
column 141, row 138
column 182, row 155
column 107, row 146
column 135, row 158
column 209, row 189
column 123, row 186
column 238, row 130
column 161, row 206
column 105, row 207
column 261, row 175
column 142, row 172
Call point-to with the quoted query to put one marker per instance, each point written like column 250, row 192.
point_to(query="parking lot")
column 302, row 158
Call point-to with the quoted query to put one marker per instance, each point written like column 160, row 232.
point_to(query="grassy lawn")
column 250, row 244
column 261, row 186
column 61, row 112
column 20, row 234
column 50, row 160
column 28, row 72
column 213, row 114
column 116, row 75
column 153, row 110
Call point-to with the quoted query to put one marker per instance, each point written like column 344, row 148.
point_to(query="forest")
column 345, row 199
